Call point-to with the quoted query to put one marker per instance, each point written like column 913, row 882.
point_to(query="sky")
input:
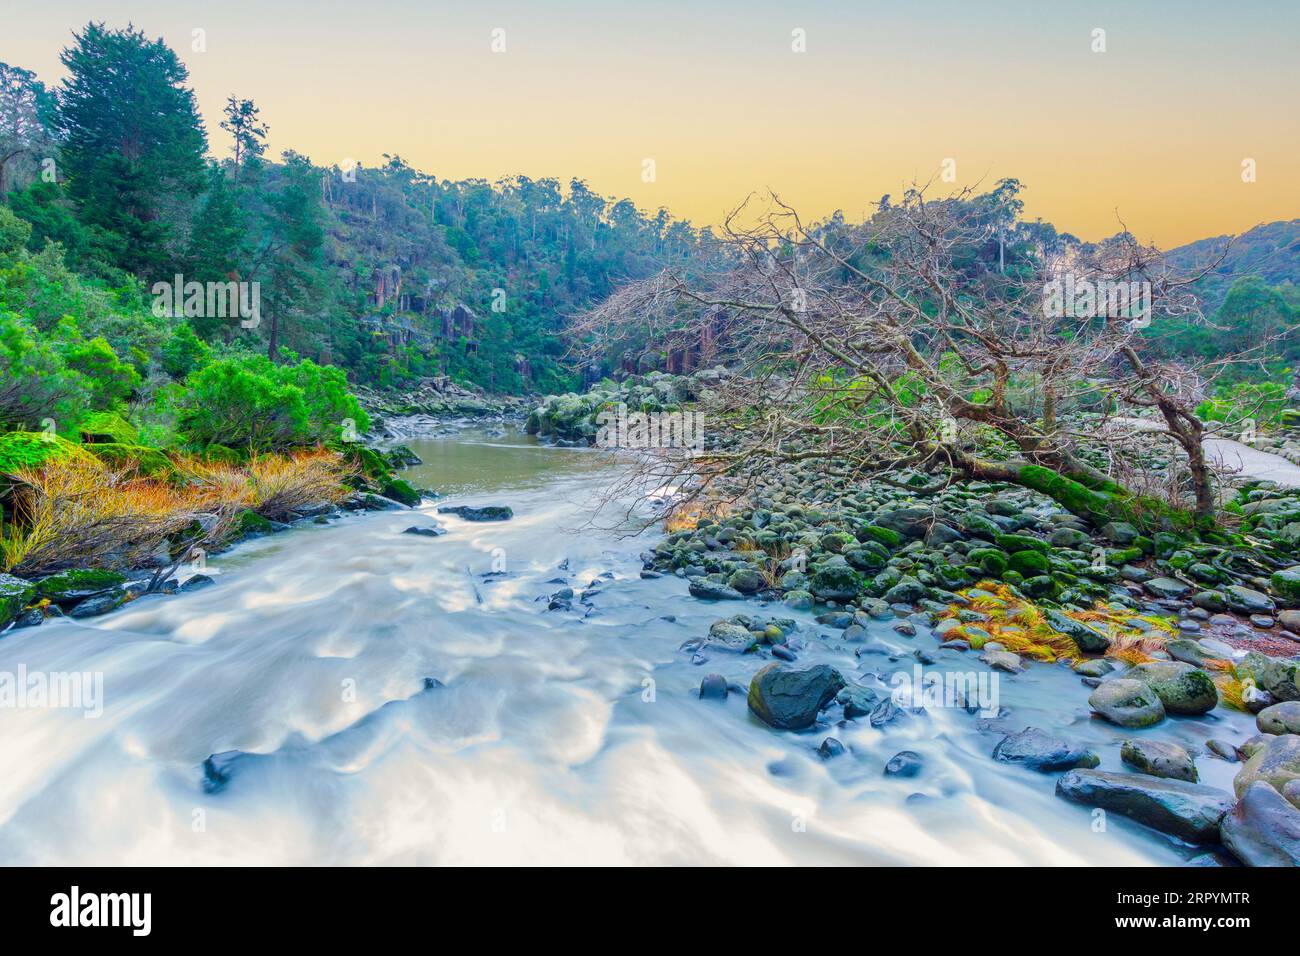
column 692, row 106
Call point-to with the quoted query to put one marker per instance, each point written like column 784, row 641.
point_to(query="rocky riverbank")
column 174, row 566
column 1156, row 628
column 432, row 404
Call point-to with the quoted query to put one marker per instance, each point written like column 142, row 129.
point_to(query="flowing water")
column 552, row 736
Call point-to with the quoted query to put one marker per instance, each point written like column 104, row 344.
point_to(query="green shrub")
column 249, row 402
column 184, row 352
column 20, row 450
column 35, row 383
column 110, row 425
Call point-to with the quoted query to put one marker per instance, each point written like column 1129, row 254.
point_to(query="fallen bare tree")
column 939, row 337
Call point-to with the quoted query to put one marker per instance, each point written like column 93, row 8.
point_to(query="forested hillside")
column 114, row 183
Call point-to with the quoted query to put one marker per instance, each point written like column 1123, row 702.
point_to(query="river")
column 550, row 737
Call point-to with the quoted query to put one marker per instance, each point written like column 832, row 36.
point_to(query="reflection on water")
column 479, row 461
column 550, row 736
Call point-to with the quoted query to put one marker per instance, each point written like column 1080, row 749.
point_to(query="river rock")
column 1159, row 759
column 834, row 581
column 1097, row 667
column 1280, row 678
column 1128, row 703
column 1002, row 661
column 1283, row 718
column 1039, row 750
column 745, row 580
column 1088, row 639
column 905, row 763
column 1166, row 587
column 100, row 604
column 791, row 699
column 15, row 592
column 1247, row 600
column 798, row 600
column 857, row 700
column 708, row 590
column 713, row 687
column 1286, row 584
column 1263, row 829
column 1276, row 761
column 1189, row 811
column 830, row 748
column 1182, row 688
column 486, row 513
column 432, row 531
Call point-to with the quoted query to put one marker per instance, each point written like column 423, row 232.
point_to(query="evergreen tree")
column 133, row 142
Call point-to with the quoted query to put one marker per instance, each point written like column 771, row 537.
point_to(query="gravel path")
column 1234, row 456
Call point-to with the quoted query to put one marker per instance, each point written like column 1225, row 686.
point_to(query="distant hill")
column 1271, row 251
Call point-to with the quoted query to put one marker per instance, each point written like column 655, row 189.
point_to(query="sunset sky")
column 1153, row 130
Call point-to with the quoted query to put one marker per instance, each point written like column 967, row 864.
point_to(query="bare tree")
column 942, row 337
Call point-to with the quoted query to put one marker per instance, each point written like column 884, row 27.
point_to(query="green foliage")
column 1263, row 402
column 20, row 450
column 253, row 403
column 14, row 232
column 108, row 379
column 147, row 461
column 108, row 425
column 132, row 139
column 184, row 352
column 35, row 383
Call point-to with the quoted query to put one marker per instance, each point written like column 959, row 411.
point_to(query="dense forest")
column 114, row 188
column 389, row 273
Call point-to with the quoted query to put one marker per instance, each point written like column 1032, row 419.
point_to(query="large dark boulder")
column 1181, row 687
column 1088, row 639
column 1263, row 829
column 1039, row 750
column 791, row 699
column 1128, row 703
column 1189, row 811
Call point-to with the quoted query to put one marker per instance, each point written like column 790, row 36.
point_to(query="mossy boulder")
column 1276, row 762
column 1011, row 543
column 399, row 489
column 991, row 561
column 1286, row 584
column 745, row 580
column 1127, row 703
column 1181, row 687
column 1280, row 678
column 791, row 699
column 15, row 594
column 1029, row 563
column 1088, row 639
column 835, row 581
column 69, row 587
column 372, row 464
column 108, row 427
column 21, row 450
column 251, row 523
column 885, row 536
